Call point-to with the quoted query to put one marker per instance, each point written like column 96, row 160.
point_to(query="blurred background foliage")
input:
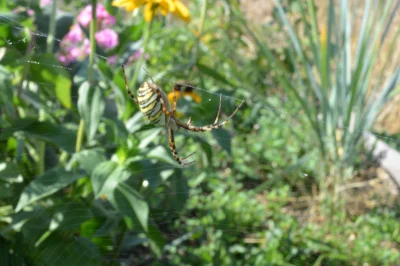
column 85, row 180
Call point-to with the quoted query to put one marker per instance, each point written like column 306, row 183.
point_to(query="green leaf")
column 47, row 73
column 91, row 104
column 214, row 74
column 88, row 159
column 6, row 95
column 46, row 184
column 224, row 139
column 161, row 154
column 149, row 136
column 131, row 204
column 58, row 250
column 47, row 131
column 157, row 240
column 72, row 214
column 9, row 172
column 7, row 257
column 106, row 177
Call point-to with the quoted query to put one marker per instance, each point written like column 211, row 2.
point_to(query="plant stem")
column 79, row 137
column 139, row 63
column 41, row 148
column 92, row 42
column 52, row 28
column 200, row 31
column 92, row 32
column 121, row 239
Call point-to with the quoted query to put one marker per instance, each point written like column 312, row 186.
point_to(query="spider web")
column 226, row 150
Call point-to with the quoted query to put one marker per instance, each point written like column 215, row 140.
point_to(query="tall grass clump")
column 344, row 73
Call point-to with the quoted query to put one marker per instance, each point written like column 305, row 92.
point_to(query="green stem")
column 41, row 148
column 52, row 28
column 117, row 250
column 93, row 24
column 92, row 32
column 79, row 137
column 139, row 63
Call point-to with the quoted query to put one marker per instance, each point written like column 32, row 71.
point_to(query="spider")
column 154, row 104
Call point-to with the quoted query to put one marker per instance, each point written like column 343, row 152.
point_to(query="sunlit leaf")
column 91, row 104
column 106, row 177
column 47, row 73
column 46, row 184
column 131, row 204
column 224, row 139
column 47, row 131
column 161, row 154
column 69, row 250
column 88, row 159
column 6, row 95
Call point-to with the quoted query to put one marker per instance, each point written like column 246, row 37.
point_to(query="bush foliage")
column 85, row 180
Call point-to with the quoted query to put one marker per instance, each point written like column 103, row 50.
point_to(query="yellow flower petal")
column 182, row 11
column 129, row 5
column 148, row 12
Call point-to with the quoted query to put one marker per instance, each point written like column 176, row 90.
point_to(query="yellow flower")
column 153, row 7
column 180, row 90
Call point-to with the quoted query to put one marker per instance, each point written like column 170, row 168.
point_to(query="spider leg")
column 174, row 101
column 148, row 74
column 171, row 141
column 126, row 87
column 215, row 125
column 164, row 104
column 219, row 110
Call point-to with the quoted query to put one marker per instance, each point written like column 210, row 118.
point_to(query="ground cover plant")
column 85, row 179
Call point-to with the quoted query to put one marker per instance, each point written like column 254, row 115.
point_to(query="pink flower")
column 65, row 59
column 74, row 46
column 103, row 17
column 86, row 47
column 30, row 12
column 112, row 60
column 44, row 3
column 107, row 39
column 75, row 34
column 136, row 55
column 109, row 21
column 20, row 9
column 85, row 16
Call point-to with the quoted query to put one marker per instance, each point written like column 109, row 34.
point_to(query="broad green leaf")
column 88, row 159
column 157, row 241
column 7, row 257
column 47, row 131
column 58, row 250
column 179, row 188
column 47, row 73
column 106, row 177
column 214, row 74
column 73, row 214
column 149, row 136
column 6, row 95
column 91, row 104
column 161, row 154
column 224, row 139
column 46, row 184
column 131, row 204
column 9, row 172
